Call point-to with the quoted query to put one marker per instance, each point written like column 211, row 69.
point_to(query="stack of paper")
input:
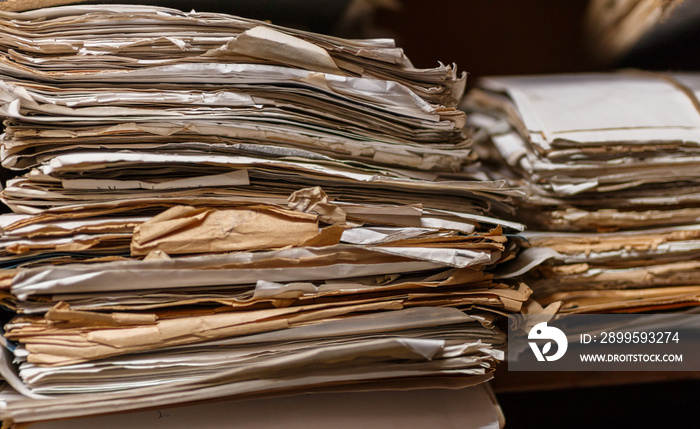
column 218, row 83
column 218, row 207
column 601, row 154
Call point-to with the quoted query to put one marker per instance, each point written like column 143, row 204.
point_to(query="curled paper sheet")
column 267, row 43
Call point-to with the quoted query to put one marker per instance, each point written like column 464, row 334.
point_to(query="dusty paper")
column 184, row 229
column 267, row 43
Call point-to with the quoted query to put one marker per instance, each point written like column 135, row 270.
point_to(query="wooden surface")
column 524, row 381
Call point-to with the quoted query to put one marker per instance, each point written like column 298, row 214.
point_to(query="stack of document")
column 612, row 167
column 218, row 84
column 218, row 207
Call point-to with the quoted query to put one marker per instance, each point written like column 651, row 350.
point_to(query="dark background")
column 493, row 37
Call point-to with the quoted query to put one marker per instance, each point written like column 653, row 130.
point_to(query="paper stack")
column 219, row 207
column 612, row 167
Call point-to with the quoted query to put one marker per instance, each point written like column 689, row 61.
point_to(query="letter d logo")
column 543, row 332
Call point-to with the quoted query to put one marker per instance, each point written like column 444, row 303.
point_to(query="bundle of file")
column 612, row 167
column 218, row 207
